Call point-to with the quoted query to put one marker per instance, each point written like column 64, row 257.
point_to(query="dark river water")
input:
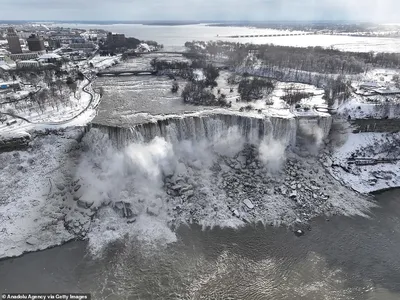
column 340, row 258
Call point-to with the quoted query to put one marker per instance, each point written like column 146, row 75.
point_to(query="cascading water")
column 253, row 129
column 211, row 169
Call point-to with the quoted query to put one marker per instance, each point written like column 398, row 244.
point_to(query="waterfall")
column 212, row 126
column 314, row 128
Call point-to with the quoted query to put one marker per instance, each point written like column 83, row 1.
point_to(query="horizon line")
column 198, row 21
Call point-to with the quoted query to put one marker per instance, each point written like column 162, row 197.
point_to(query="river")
column 339, row 258
column 174, row 37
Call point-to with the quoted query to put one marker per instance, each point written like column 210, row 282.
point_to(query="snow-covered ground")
column 35, row 193
column 273, row 102
column 103, row 62
column 358, row 108
column 367, row 178
column 78, row 112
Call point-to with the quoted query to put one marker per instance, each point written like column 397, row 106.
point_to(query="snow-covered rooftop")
column 370, row 84
column 50, row 56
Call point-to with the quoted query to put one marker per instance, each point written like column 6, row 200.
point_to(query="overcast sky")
column 130, row 10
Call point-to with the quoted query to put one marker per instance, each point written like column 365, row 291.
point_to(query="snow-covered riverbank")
column 367, row 178
column 34, row 193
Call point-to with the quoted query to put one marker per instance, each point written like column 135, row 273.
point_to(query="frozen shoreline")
column 367, row 178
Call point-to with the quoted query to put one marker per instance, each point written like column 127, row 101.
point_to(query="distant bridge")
column 187, row 54
column 269, row 35
column 127, row 72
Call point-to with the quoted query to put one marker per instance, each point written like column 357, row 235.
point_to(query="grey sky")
column 368, row 10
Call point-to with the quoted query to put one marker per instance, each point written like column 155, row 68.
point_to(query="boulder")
column 293, row 194
column 188, row 194
column 130, row 221
column 77, row 187
column 153, row 211
column 328, row 162
column 248, row 203
column 84, row 204
column 299, row 232
column 60, row 186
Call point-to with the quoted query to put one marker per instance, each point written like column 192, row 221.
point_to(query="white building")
column 49, row 58
column 27, row 64
column 26, row 55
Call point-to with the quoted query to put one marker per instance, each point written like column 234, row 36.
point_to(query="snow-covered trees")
column 195, row 92
column 255, row 88
column 211, row 73
column 311, row 59
column 293, row 96
column 337, row 90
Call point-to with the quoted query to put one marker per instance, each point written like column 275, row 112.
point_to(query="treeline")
column 200, row 91
column 310, row 59
column 185, row 69
column 173, row 68
column 120, row 47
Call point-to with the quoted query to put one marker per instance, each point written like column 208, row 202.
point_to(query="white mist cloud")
column 272, row 153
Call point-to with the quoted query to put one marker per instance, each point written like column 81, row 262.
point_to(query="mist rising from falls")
column 190, row 169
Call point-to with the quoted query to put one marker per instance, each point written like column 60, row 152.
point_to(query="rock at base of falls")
column 84, row 204
column 60, row 186
column 248, row 203
column 153, row 211
column 32, row 241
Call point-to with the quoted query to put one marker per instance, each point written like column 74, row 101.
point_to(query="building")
column 50, row 58
column 86, row 47
column 387, row 91
column 54, row 43
column 13, row 41
column 116, row 39
column 35, row 43
column 26, row 55
column 27, row 64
